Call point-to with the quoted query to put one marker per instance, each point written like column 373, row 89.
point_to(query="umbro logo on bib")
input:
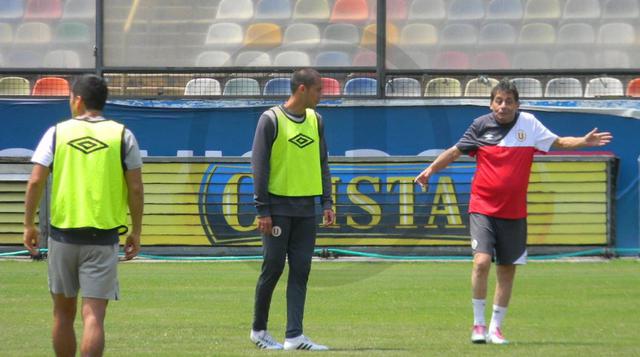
column 301, row 140
column 87, row 144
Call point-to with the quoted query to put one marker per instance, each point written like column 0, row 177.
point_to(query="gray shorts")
column 503, row 239
column 90, row 268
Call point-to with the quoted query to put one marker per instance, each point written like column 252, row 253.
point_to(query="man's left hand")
column 328, row 217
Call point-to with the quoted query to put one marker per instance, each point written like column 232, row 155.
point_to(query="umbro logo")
column 301, row 140
column 488, row 136
column 87, row 144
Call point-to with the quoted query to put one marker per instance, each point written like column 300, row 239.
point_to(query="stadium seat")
column 427, row 10
column 6, row 34
column 443, row 87
column 241, row 87
column 576, row 34
column 43, row 10
column 570, row 59
column 311, row 11
column 277, row 87
column 14, row 86
column 397, row 10
column 202, row 86
column 612, row 59
column 301, row 35
column 604, row 87
column 337, row 36
column 542, row 10
column 403, row 87
column 537, row 34
column 16, row 152
column 563, row 87
column 73, row 33
column 491, row 60
column 361, row 87
column 263, row 35
column 24, row 59
column 32, row 33
column 465, row 10
column 238, row 10
column 370, row 36
column 504, row 10
column 365, row 153
column 621, row 9
column 633, row 88
column 213, row 59
column 480, row 87
column 431, row 152
column 451, row 60
column 497, row 34
column 365, row 58
column 332, row 59
column 12, row 10
column 273, row 10
column 330, row 86
column 408, row 57
column 51, row 86
column 528, row 87
column 459, row 34
column 581, row 10
column 224, row 35
column 351, row 11
column 617, row 34
column 79, row 10
column 253, row 59
column 531, row 60
column 292, row 59
column 62, row 59
column 418, row 35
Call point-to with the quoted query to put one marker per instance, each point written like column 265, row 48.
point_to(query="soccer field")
column 356, row 308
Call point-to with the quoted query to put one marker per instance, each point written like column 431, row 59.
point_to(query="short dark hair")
column 92, row 89
column 505, row 85
column 304, row 76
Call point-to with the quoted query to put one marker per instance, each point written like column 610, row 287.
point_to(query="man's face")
column 312, row 94
column 504, row 106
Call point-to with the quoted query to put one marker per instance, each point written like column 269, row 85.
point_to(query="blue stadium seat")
column 273, row 10
column 11, row 9
column 361, row 87
column 277, row 87
column 466, row 10
column 332, row 59
column 504, row 10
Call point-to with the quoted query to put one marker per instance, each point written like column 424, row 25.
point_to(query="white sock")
column 498, row 315
column 478, row 311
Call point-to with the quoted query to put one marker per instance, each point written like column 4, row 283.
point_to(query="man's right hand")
column 31, row 239
column 423, row 179
column 264, row 225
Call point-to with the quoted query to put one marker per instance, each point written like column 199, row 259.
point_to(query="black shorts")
column 503, row 239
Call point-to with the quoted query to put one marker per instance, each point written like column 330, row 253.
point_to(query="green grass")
column 358, row 309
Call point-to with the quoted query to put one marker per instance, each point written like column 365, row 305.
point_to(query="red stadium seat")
column 51, row 86
column 452, row 60
column 350, row 11
column 330, row 86
column 633, row 88
column 43, row 9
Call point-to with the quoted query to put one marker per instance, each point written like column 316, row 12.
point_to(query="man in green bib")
column 96, row 175
column 290, row 170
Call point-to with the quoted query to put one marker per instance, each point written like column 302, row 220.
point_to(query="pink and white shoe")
column 496, row 337
column 479, row 334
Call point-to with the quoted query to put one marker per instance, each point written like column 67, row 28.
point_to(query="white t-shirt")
column 43, row 154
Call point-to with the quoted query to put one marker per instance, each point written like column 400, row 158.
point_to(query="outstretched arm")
column 591, row 139
column 442, row 161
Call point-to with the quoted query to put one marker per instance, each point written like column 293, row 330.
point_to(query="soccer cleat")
column 496, row 337
column 479, row 334
column 303, row 343
column 264, row 340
